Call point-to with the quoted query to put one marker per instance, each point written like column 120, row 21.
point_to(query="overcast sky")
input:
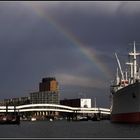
column 72, row 41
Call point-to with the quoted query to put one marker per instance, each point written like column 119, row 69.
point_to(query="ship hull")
column 126, row 117
column 126, row 104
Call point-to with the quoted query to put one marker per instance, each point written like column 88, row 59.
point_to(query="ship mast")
column 134, row 54
column 131, row 71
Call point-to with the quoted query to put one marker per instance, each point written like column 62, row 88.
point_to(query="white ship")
column 125, row 90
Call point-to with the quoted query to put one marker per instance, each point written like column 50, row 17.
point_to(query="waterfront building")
column 80, row 102
column 17, row 101
column 24, row 100
column 48, row 92
column 48, row 84
column 7, row 102
column 1, row 102
column 44, row 97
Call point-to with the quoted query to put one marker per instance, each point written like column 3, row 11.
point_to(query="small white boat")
column 33, row 119
column 51, row 120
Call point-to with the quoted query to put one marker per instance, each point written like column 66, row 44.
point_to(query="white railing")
column 53, row 107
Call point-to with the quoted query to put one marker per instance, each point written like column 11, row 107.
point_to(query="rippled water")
column 70, row 129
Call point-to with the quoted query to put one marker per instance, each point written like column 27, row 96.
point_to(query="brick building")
column 48, row 92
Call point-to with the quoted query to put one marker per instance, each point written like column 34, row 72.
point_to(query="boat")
column 96, row 117
column 125, row 91
column 50, row 119
column 33, row 119
column 82, row 118
column 10, row 117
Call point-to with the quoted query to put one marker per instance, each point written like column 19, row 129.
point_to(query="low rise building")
column 80, row 102
column 17, row 101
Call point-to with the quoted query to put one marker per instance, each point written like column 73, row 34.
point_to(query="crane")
column 119, row 66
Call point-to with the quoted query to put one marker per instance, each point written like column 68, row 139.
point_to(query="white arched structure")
column 53, row 107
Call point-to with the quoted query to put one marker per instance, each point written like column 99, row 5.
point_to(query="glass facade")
column 45, row 97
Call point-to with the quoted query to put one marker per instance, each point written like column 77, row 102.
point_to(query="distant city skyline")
column 73, row 41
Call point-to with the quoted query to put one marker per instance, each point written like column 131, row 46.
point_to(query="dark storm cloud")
column 32, row 46
column 100, row 23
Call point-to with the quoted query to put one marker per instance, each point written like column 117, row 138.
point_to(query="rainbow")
column 90, row 53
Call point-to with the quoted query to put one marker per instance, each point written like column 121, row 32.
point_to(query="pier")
column 71, row 113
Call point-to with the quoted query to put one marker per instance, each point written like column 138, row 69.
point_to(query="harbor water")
column 70, row 129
